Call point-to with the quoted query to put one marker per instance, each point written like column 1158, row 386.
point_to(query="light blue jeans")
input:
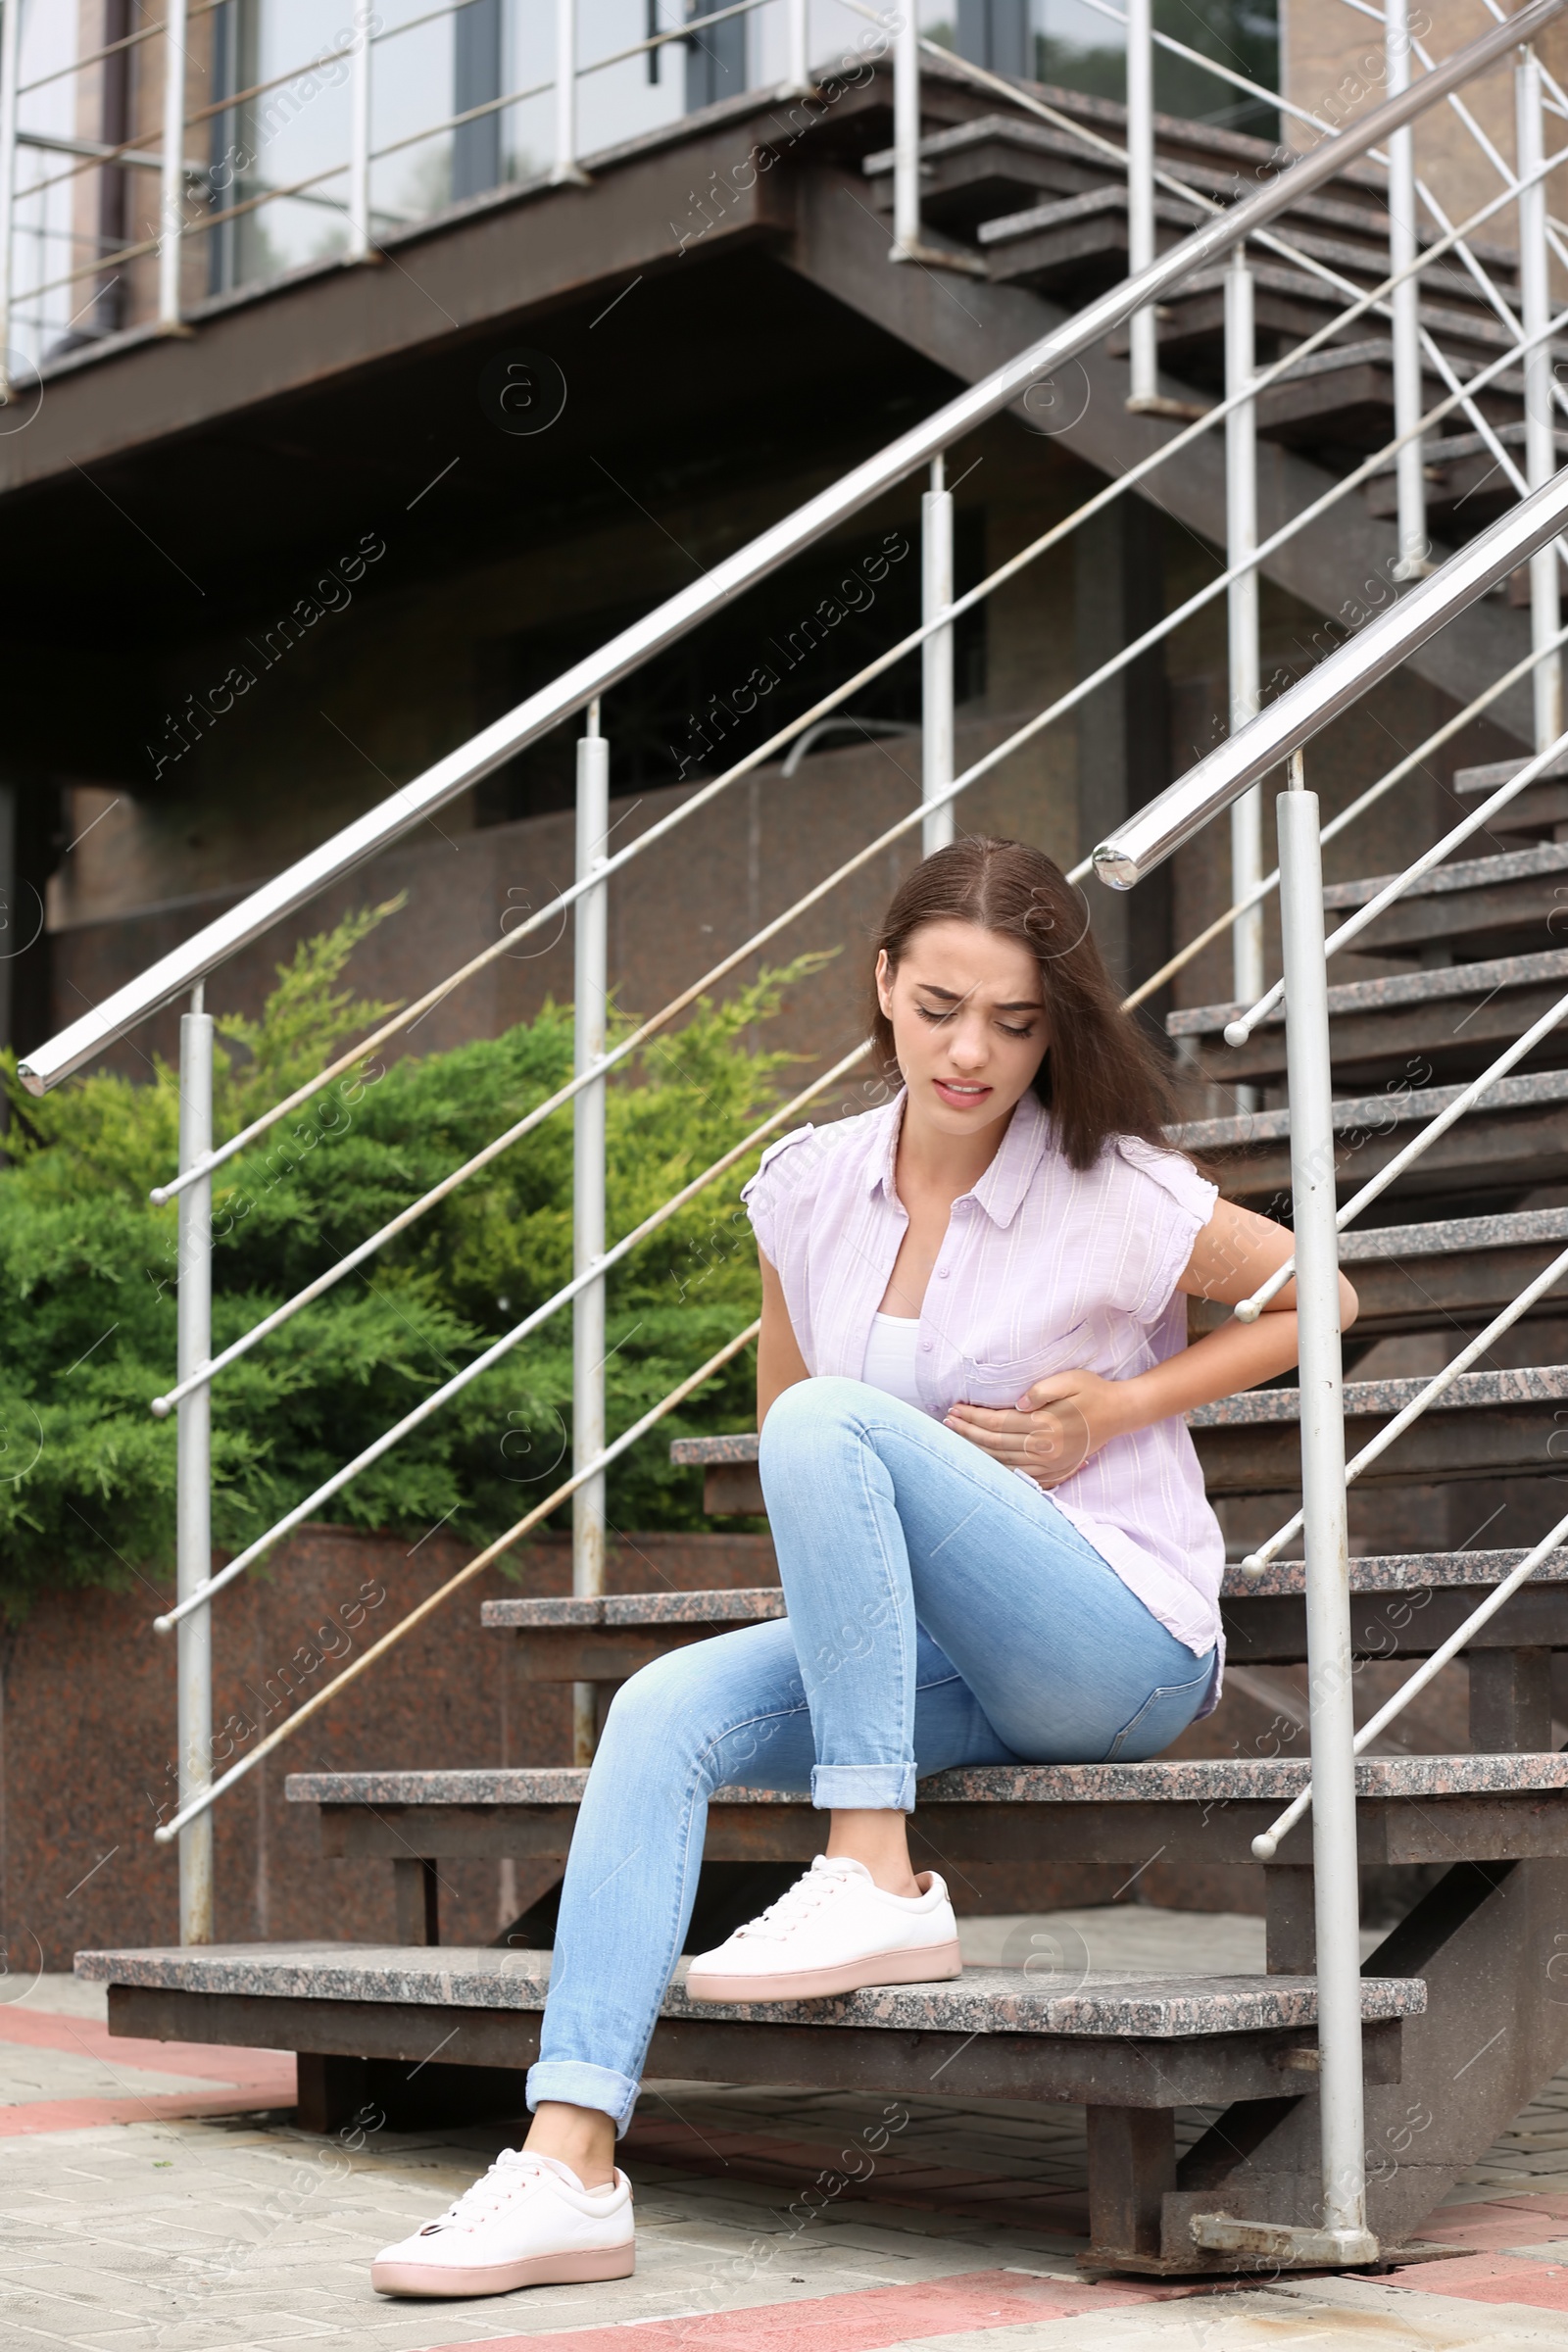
column 940, row 1611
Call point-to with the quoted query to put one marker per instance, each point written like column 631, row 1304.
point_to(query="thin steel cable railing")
column 1265, row 887
column 168, row 1830
column 658, row 1021
column 1004, row 572
column 1266, row 1844
column 296, row 188
column 914, row 816
column 1238, row 1032
column 1272, row 242
column 1250, row 1308
column 1498, row 161
column 97, row 57
column 1422, row 1403
column 810, row 523
column 501, row 1347
column 326, row 1280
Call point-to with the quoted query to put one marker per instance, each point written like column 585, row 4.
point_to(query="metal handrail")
column 1268, row 883
column 1340, row 679
column 1119, row 486
column 202, row 1169
column 536, row 716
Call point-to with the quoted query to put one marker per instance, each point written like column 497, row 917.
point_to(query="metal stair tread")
column 1370, row 1111
column 984, row 2000
column 1441, row 982
column 1198, row 1780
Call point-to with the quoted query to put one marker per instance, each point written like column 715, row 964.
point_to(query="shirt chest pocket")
column 1001, row 1380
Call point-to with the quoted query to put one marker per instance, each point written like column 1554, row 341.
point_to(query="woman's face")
column 968, row 1024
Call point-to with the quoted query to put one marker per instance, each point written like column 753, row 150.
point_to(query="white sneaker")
column 834, row 1930
column 528, row 2223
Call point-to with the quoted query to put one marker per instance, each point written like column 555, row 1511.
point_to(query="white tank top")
column 890, row 1357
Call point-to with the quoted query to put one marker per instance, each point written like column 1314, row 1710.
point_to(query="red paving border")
column 242, row 2078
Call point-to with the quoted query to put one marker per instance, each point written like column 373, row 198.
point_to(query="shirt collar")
column 1005, row 1185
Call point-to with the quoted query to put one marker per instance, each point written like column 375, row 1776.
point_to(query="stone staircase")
column 1485, row 1829
column 1027, row 204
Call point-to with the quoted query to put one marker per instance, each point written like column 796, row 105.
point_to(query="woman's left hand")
column 1052, row 1429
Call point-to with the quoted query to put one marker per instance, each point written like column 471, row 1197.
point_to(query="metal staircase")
column 1436, row 1087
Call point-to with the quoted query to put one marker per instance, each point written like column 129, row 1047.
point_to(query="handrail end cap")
column 1113, row 867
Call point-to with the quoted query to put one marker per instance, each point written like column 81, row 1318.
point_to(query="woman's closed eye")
column 1007, row 1028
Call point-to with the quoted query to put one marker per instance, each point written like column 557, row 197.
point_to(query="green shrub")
column 87, row 1282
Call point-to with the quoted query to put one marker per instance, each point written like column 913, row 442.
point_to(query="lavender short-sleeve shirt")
column 1042, row 1268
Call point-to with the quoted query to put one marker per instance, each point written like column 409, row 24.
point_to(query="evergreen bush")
column 87, row 1269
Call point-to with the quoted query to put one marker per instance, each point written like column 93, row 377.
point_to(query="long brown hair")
column 1099, row 1077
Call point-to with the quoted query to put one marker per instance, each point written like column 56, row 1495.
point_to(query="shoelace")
column 796, row 1904
column 511, row 2172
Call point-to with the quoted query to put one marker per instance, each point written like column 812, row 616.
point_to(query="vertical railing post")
column 1541, row 462
column 797, row 48
column 1329, row 1683
column 1410, row 479
column 1141, row 327
column 566, row 166
column 171, row 186
column 1242, row 615
column 193, row 1473
column 905, row 136
column 359, row 139
column 10, row 75
column 591, row 941
column 936, row 659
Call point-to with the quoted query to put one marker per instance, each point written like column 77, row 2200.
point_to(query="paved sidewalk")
column 162, row 2231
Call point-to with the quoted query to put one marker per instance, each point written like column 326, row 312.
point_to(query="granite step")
column 1101, row 2037
column 1513, row 903
column 1488, row 1424
column 1461, row 471
column 1540, row 812
column 1448, row 1276
column 1444, row 1024
column 1514, row 1141
column 604, row 1638
column 1404, row 1607
column 1413, row 1808
column 984, row 2000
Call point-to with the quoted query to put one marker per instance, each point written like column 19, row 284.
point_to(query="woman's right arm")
column 779, row 1361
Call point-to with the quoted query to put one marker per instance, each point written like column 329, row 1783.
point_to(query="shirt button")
column 927, row 1346
column 942, row 1272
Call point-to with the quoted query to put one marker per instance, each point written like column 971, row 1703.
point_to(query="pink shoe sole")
column 503, row 2277
column 930, row 1965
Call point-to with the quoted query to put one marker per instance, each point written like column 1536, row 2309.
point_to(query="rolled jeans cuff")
column 575, row 2084
column 864, row 1787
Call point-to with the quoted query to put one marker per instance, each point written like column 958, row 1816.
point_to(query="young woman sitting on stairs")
column 991, row 1526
